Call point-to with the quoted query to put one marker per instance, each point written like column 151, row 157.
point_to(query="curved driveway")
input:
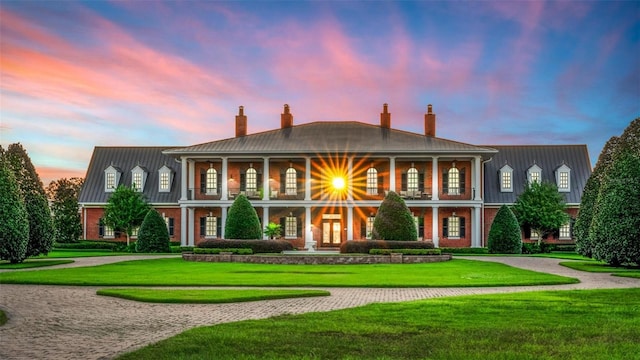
column 72, row 322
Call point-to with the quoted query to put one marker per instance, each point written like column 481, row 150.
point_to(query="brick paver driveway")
column 65, row 322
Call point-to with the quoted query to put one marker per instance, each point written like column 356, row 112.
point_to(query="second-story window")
column 111, row 181
column 412, row 179
column 291, row 187
column 252, row 180
column 212, row 181
column 372, row 181
column 453, row 181
column 137, row 181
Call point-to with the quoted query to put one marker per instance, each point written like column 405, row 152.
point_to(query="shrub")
column 364, row 247
column 153, row 235
column 242, row 220
column 90, row 245
column 505, row 236
column 405, row 251
column 465, row 250
column 237, row 251
column 535, row 248
column 14, row 221
column 257, row 246
column 394, row 221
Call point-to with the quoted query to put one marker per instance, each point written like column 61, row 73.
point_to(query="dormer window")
column 506, row 179
column 534, row 174
column 138, row 178
column 165, row 179
column 563, row 178
column 111, row 178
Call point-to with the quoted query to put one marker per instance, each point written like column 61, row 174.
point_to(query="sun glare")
column 338, row 183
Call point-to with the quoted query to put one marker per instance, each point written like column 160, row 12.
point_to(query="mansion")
column 324, row 181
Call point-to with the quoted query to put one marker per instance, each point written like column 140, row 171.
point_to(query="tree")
column 242, row 220
column 63, row 194
column 273, row 230
column 504, row 235
column 14, row 222
column 153, row 235
column 588, row 203
column 542, row 208
column 393, row 220
column 125, row 210
column 35, row 200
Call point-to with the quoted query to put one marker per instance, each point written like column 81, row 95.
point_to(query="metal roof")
column 547, row 157
column 333, row 137
column 125, row 159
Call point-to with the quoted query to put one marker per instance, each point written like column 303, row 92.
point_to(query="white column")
column 265, row 221
column 183, row 179
column 225, row 180
column 191, row 239
column 350, row 223
column 435, row 174
column 435, row 227
column 309, row 244
column 350, row 179
column 266, row 188
column 223, row 218
column 392, row 174
column 307, row 179
column 183, row 226
column 476, row 183
column 192, row 178
column 476, row 235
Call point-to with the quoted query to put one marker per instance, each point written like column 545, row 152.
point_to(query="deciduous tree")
column 125, row 210
column 542, row 208
column 63, row 194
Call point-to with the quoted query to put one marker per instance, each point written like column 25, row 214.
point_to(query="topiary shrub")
column 394, row 221
column 14, row 221
column 242, row 220
column 153, row 235
column 504, row 236
column 257, row 246
column 364, row 247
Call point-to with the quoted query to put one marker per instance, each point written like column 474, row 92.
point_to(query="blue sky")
column 74, row 75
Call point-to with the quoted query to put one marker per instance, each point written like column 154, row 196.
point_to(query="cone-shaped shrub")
column 242, row 221
column 394, row 221
column 153, row 235
column 14, row 222
column 504, row 236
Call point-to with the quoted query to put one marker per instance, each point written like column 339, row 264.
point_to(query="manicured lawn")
column 31, row 263
column 81, row 253
column 207, row 296
column 579, row 324
column 597, row 266
column 562, row 255
column 176, row 272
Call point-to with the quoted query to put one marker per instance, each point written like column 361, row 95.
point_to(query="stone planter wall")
column 317, row 259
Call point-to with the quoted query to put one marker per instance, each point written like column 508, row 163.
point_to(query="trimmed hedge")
column 405, row 251
column 465, row 250
column 364, row 247
column 90, row 244
column 257, row 246
column 237, row 251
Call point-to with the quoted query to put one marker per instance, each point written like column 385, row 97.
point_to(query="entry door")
column 331, row 232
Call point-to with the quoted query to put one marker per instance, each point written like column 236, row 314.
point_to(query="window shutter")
column 462, row 227
column 100, row 229
column 445, row 181
column 203, row 182
column 380, row 185
column 283, row 227
column 572, row 221
column 218, row 227
column 445, row 227
column 283, row 182
column 171, row 227
column 243, row 182
column 527, row 232
column 463, row 180
column 258, row 181
column 203, row 220
column 299, row 183
column 403, row 182
column 298, row 227
column 219, row 183
column 363, row 228
column 420, row 227
column 421, row 181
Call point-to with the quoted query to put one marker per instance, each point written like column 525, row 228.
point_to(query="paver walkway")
column 72, row 322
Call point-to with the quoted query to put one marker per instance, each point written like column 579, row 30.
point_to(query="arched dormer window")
column 372, row 181
column 534, row 174
column 111, row 178
column 138, row 178
column 165, row 179
column 506, row 178
column 563, row 178
column 211, row 187
column 291, row 178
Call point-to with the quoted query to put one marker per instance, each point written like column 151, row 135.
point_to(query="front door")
column 331, row 232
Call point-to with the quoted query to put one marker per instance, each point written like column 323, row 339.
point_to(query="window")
column 290, row 227
column 372, row 181
column 111, row 178
column 111, row 181
column 134, row 232
column 563, row 178
column 108, row 232
column 137, row 181
column 453, row 181
column 454, row 227
column 211, row 187
column 252, row 180
column 416, row 220
column 534, row 174
column 534, row 234
column 369, row 227
column 506, row 179
column 211, row 226
column 164, row 184
column 164, row 181
column 138, row 178
column 291, row 186
column 170, row 224
column 412, row 179
column 565, row 231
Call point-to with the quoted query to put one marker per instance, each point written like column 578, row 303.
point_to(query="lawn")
column 598, row 266
column 176, row 272
column 31, row 263
column 578, row 324
column 199, row 296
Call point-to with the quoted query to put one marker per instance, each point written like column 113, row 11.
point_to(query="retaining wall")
column 317, row 259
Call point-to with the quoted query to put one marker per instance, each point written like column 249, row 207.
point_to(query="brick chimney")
column 385, row 117
column 430, row 122
column 286, row 119
column 241, row 123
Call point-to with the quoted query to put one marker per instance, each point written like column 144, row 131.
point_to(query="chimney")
column 241, row 123
column 385, row 117
column 286, row 119
column 430, row 122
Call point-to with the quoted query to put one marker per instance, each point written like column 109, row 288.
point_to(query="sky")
column 75, row 75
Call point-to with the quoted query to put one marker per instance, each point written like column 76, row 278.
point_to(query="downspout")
column 482, row 206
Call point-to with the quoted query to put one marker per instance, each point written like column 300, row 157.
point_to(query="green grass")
column 199, row 296
column 578, row 324
column 562, row 255
column 81, row 253
column 31, row 263
column 176, row 272
column 598, row 266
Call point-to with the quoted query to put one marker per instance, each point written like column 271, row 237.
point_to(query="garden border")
column 303, row 259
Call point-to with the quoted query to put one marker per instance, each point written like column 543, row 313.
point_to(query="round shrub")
column 504, row 236
column 153, row 235
column 242, row 220
column 394, row 221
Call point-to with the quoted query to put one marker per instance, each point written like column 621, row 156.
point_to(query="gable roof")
column 333, row 137
column 124, row 159
column 548, row 157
